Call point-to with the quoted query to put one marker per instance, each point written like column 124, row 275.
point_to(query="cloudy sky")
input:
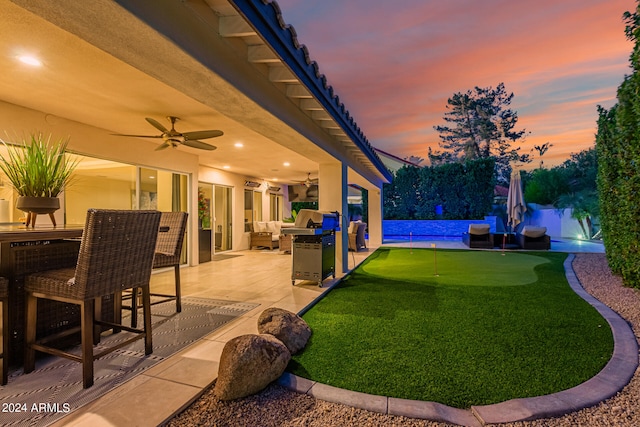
column 394, row 64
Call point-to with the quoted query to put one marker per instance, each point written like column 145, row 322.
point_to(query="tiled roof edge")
column 266, row 17
column 407, row 162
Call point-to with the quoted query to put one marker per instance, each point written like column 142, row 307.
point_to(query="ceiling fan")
column 172, row 137
column 309, row 182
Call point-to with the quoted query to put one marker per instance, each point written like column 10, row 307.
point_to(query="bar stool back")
column 116, row 253
column 167, row 254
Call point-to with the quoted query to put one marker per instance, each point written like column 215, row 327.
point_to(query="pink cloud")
column 394, row 67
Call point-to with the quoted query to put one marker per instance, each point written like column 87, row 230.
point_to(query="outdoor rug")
column 54, row 389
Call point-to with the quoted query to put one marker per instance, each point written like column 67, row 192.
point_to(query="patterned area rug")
column 54, row 389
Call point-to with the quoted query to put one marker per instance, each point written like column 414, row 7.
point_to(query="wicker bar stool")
column 167, row 254
column 4, row 297
column 116, row 253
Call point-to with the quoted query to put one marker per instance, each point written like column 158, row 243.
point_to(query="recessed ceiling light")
column 274, row 179
column 286, row 164
column 239, row 144
column 30, row 60
column 226, row 167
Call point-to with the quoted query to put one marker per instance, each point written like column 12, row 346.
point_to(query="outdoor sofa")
column 267, row 234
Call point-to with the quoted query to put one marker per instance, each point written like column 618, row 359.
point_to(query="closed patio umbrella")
column 516, row 206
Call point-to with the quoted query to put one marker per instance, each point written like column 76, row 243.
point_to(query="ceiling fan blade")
column 156, row 124
column 163, row 146
column 202, row 134
column 137, row 136
column 199, row 144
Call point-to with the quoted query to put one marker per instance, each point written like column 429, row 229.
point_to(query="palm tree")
column 585, row 207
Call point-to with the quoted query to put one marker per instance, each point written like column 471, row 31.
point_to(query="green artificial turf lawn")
column 488, row 328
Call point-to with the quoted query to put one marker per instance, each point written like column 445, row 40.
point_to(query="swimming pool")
column 390, row 238
column 422, row 230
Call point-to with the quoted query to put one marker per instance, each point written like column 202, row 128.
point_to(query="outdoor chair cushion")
column 534, row 232
column 479, row 229
column 274, row 228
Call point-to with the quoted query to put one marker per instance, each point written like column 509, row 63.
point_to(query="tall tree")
column 480, row 124
column 581, row 170
column 542, row 149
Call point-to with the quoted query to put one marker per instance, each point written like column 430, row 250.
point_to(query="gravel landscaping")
column 277, row 406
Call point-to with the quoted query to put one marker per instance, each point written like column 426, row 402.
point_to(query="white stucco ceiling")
column 81, row 82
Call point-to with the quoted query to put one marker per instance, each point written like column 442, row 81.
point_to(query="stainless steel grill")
column 314, row 245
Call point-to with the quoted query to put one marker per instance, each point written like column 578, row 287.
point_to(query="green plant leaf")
column 37, row 167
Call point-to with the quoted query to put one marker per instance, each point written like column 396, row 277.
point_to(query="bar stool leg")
column 135, row 294
column 30, row 334
column 5, row 340
column 178, row 296
column 87, row 313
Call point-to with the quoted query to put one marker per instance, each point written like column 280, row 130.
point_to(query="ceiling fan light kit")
column 173, row 138
column 309, row 182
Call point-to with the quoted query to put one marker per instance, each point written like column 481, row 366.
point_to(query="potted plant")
column 38, row 171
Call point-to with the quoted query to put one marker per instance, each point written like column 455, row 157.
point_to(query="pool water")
column 420, row 237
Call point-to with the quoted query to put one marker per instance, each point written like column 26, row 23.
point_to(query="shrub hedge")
column 618, row 146
column 462, row 190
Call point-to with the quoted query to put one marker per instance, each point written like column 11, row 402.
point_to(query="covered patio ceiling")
column 103, row 66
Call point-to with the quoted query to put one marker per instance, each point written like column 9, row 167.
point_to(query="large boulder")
column 288, row 327
column 248, row 364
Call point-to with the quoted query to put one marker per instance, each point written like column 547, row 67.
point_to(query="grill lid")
column 309, row 218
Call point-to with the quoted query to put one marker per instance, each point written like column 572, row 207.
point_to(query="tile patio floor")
column 262, row 277
column 258, row 276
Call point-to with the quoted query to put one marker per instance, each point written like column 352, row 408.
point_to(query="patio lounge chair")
column 356, row 236
column 478, row 236
column 535, row 238
column 116, row 253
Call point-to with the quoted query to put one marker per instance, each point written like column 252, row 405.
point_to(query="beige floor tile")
column 242, row 327
column 161, row 366
column 149, row 404
column 194, row 372
column 208, row 349
column 262, row 277
column 99, row 404
column 294, row 308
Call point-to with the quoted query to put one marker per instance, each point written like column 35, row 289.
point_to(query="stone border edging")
column 611, row 379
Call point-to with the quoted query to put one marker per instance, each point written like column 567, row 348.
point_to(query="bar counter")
column 20, row 233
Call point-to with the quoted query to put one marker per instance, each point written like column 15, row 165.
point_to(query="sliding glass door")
column 215, row 219
column 223, row 218
column 104, row 184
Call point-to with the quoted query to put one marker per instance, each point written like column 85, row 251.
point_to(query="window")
column 257, row 206
column 252, row 208
column 100, row 184
column 275, row 204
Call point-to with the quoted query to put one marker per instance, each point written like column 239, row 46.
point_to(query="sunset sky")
column 394, row 64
